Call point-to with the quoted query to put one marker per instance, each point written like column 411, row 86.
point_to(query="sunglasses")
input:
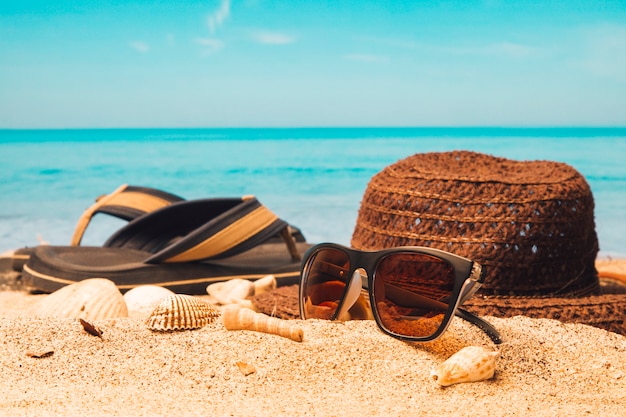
column 414, row 292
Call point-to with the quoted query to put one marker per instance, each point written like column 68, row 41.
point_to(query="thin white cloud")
column 500, row 49
column 273, row 38
column 366, row 58
column 512, row 50
column 210, row 45
column 140, row 46
column 217, row 18
column 497, row 49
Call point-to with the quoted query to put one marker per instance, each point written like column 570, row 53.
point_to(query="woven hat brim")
column 606, row 310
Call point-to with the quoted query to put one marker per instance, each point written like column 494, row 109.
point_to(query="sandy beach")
column 447, row 159
column 339, row 369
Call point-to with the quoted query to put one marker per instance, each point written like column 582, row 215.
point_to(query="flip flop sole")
column 50, row 268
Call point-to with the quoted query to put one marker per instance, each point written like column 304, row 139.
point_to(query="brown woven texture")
column 529, row 223
column 281, row 302
column 604, row 311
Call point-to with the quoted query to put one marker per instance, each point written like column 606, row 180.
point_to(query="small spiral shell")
column 470, row 364
column 181, row 312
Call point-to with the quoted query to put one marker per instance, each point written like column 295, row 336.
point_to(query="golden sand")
column 545, row 368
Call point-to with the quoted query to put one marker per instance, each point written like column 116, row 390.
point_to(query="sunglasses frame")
column 469, row 276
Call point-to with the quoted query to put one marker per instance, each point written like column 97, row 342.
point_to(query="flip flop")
column 127, row 202
column 184, row 246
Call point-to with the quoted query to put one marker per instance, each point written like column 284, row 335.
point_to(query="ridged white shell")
column 91, row 299
column 142, row 300
column 470, row 364
column 181, row 312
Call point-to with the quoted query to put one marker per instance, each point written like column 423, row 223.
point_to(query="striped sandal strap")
column 199, row 230
column 127, row 202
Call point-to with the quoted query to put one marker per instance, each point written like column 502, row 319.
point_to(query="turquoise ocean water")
column 313, row 178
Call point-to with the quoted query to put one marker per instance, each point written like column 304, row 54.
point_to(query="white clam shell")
column 265, row 284
column 231, row 291
column 90, row 299
column 470, row 364
column 181, row 312
column 142, row 300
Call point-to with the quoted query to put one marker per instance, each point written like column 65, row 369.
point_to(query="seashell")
column 90, row 299
column 142, row 300
column 470, row 364
column 265, row 284
column 236, row 318
column 231, row 291
column 91, row 328
column 181, row 312
column 245, row 368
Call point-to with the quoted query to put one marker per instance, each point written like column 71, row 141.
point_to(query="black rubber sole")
column 52, row 267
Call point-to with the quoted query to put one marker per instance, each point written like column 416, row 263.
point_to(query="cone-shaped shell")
column 91, row 299
column 142, row 300
column 235, row 318
column 470, row 364
column 181, row 312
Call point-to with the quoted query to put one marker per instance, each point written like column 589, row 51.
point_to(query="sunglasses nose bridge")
column 364, row 278
column 352, row 293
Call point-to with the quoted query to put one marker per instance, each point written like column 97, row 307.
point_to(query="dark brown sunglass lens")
column 412, row 292
column 327, row 273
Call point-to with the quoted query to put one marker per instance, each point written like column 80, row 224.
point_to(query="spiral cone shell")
column 470, row 364
column 236, row 318
column 181, row 312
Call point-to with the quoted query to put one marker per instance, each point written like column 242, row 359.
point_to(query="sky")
column 257, row 63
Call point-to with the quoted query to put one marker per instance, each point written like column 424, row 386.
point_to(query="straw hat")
column 529, row 223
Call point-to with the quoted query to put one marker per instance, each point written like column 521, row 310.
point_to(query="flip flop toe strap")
column 239, row 228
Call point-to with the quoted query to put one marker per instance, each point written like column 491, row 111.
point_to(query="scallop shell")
column 470, row 364
column 181, row 312
column 90, row 299
column 142, row 300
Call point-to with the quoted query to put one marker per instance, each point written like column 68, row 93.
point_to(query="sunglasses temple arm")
column 483, row 325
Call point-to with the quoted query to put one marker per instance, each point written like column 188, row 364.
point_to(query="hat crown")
column 529, row 223
column 473, row 167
